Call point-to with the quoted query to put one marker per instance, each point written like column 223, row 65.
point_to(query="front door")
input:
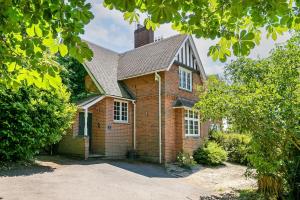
column 90, row 130
column 89, row 125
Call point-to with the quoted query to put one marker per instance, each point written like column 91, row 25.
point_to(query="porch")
column 96, row 134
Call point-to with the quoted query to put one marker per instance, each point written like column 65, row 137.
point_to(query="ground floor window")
column 120, row 111
column 191, row 123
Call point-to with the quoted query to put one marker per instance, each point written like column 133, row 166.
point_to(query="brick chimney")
column 142, row 36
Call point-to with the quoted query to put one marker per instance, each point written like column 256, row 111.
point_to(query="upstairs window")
column 120, row 111
column 185, row 79
column 191, row 123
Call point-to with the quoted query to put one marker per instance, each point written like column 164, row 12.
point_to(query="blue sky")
column 108, row 29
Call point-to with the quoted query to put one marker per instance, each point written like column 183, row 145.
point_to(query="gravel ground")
column 61, row 178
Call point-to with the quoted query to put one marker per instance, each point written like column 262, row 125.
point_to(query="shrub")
column 210, row 153
column 236, row 145
column 32, row 119
column 185, row 160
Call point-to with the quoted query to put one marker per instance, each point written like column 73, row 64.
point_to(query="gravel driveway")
column 64, row 179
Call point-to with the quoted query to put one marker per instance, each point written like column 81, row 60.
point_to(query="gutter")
column 158, row 78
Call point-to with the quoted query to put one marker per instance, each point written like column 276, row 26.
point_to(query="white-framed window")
column 185, row 79
column 120, row 111
column 191, row 123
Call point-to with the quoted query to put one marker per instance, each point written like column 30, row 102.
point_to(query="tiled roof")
column 109, row 68
column 103, row 67
column 152, row 57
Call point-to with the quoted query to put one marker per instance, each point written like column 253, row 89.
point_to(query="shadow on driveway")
column 26, row 170
column 145, row 169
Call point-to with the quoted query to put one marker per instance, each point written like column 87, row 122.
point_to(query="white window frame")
column 188, row 118
column 181, row 69
column 120, row 111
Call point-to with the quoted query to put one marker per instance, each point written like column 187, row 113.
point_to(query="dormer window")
column 185, row 79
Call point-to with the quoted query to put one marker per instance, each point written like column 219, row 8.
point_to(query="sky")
column 108, row 29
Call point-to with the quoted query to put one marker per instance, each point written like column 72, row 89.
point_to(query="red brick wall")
column 98, row 127
column 108, row 137
column 145, row 88
column 118, row 136
column 174, row 133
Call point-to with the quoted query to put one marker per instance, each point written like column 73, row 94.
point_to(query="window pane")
column 196, row 115
column 190, row 114
column 124, row 111
column 186, row 113
column 186, row 127
column 183, row 79
column 196, row 127
column 189, row 81
column 191, row 126
column 180, row 79
column 117, row 110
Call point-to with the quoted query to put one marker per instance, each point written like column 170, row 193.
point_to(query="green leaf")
column 11, row 67
column 38, row 31
column 63, row 49
column 274, row 35
column 30, row 31
column 131, row 17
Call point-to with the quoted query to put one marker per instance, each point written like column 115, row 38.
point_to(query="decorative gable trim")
column 187, row 61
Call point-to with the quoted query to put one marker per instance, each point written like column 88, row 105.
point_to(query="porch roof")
column 89, row 101
column 182, row 102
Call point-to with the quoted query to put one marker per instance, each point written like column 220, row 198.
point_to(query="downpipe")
column 158, row 78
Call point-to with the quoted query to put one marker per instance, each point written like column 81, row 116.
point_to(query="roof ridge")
column 153, row 43
column 97, row 45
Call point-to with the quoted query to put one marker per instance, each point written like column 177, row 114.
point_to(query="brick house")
column 144, row 102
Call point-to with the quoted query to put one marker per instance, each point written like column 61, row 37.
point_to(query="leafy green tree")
column 33, row 32
column 263, row 98
column 31, row 119
column 73, row 76
column 236, row 23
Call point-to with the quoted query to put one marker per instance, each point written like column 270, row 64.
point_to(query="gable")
column 187, row 56
column 102, row 69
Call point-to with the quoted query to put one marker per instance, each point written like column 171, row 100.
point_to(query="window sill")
column 121, row 122
column 190, row 91
column 192, row 136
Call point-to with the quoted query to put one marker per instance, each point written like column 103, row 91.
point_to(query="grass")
column 249, row 194
column 245, row 194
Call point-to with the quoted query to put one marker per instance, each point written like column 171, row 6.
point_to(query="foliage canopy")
column 263, row 98
column 32, row 32
column 236, row 23
column 32, row 119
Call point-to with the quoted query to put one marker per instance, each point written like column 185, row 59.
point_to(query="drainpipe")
column 85, row 121
column 134, row 125
column 158, row 78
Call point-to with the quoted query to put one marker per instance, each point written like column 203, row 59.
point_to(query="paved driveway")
column 71, row 179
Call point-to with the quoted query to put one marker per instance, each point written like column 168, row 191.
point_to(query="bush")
column 236, row 145
column 185, row 160
column 210, row 153
column 32, row 119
